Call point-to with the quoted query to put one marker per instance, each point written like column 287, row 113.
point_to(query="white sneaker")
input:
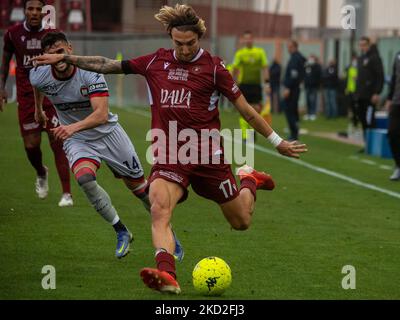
column 42, row 185
column 66, row 200
column 396, row 175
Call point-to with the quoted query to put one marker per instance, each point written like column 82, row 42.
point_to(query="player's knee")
column 241, row 224
column 159, row 211
column 84, row 175
column 85, row 179
column 32, row 141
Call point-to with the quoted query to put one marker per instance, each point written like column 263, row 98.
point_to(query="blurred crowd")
column 356, row 92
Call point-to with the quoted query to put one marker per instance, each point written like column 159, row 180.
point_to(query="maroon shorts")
column 215, row 182
column 27, row 123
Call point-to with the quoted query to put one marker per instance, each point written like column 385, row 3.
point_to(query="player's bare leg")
column 138, row 188
column 164, row 196
column 239, row 211
column 62, row 166
column 85, row 174
column 32, row 143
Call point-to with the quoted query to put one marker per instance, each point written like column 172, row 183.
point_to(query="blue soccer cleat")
column 124, row 238
column 178, row 253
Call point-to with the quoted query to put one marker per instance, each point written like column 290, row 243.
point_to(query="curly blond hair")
column 181, row 17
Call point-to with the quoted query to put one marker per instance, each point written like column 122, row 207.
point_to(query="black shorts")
column 252, row 92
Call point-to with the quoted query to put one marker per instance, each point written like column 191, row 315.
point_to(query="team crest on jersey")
column 84, row 91
column 166, row 65
column 50, row 89
column 196, row 69
column 23, row 38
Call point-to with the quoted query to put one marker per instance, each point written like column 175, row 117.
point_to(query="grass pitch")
column 302, row 235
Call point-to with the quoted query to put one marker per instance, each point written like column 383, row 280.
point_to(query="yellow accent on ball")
column 212, row 276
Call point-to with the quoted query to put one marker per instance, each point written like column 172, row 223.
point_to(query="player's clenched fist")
column 63, row 132
column 41, row 118
column 291, row 149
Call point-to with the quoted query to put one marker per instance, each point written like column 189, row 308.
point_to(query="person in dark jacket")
column 312, row 83
column 275, row 82
column 393, row 104
column 294, row 76
column 370, row 82
column 330, row 80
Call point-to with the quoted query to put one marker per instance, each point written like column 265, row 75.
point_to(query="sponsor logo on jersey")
column 51, row 89
column 73, row 106
column 97, row 87
column 33, row 44
column 178, row 74
column 175, row 98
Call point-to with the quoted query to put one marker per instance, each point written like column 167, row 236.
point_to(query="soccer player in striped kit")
column 91, row 134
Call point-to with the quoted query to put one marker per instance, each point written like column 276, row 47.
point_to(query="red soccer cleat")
column 160, row 280
column 263, row 180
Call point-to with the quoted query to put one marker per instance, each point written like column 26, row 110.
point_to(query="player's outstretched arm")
column 4, row 69
column 91, row 63
column 289, row 149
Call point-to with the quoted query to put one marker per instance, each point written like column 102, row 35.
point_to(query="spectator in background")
column 312, row 82
column 393, row 104
column 330, row 80
column 275, row 71
column 294, row 75
column 369, row 84
column 351, row 81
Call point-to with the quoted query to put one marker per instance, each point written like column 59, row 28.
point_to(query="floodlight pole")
column 214, row 27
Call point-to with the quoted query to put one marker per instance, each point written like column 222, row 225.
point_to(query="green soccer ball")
column 212, row 276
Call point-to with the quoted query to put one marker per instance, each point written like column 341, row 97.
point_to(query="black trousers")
column 394, row 132
column 352, row 108
column 291, row 105
column 366, row 114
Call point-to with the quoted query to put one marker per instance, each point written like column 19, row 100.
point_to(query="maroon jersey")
column 185, row 92
column 25, row 44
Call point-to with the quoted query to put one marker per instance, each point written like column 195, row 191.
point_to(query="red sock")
column 35, row 158
column 62, row 166
column 166, row 262
column 249, row 183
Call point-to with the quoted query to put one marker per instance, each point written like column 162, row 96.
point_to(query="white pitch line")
column 330, row 173
column 370, row 162
column 311, row 167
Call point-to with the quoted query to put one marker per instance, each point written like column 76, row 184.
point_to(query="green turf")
column 303, row 232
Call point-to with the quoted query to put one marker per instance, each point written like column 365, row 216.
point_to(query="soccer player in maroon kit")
column 184, row 85
column 23, row 40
